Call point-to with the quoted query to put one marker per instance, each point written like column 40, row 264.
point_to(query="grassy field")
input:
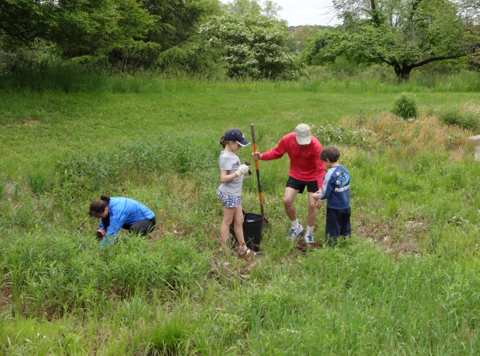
column 407, row 282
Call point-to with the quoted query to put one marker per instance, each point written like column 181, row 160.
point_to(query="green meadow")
column 407, row 283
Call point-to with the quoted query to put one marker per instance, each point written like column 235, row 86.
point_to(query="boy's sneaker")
column 247, row 255
column 309, row 239
column 295, row 233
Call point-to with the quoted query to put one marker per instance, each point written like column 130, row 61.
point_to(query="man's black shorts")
column 300, row 185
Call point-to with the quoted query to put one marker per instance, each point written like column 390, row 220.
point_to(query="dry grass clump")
column 469, row 107
column 411, row 136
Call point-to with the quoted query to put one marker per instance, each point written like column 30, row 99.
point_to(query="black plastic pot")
column 252, row 231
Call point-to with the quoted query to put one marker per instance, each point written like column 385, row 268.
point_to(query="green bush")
column 405, row 106
column 451, row 116
column 470, row 121
column 467, row 120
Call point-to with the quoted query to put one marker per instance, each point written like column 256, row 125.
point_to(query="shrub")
column 405, row 106
column 451, row 116
column 470, row 121
column 467, row 120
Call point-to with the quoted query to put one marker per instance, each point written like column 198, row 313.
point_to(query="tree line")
column 242, row 38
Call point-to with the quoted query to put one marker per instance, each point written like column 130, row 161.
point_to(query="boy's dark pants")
column 338, row 224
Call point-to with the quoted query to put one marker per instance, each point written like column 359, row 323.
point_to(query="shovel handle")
column 252, row 127
column 260, row 196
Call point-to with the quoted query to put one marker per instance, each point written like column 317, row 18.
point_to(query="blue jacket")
column 336, row 188
column 125, row 211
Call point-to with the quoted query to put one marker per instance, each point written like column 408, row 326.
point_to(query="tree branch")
column 367, row 11
column 414, row 9
column 426, row 49
column 436, row 58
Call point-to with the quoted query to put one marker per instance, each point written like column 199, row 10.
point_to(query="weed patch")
column 398, row 136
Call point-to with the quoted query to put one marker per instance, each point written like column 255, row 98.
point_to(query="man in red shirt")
column 306, row 170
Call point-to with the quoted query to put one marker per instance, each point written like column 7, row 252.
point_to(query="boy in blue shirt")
column 336, row 189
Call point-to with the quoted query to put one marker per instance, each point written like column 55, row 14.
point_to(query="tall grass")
column 72, row 78
column 48, row 276
column 406, row 283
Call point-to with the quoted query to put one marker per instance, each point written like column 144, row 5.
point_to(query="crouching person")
column 118, row 213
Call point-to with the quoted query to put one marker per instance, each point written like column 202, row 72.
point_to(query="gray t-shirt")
column 230, row 162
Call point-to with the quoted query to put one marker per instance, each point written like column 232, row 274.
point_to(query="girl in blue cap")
column 230, row 191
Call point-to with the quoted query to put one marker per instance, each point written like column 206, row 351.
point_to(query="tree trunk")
column 402, row 71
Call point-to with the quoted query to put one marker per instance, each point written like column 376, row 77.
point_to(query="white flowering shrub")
column 252, row 45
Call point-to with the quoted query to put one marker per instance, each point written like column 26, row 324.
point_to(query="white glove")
column 243, row 169
column 320, row 194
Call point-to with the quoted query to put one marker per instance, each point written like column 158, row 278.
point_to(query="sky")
column 305, row 12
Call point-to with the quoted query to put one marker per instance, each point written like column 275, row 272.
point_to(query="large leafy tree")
column 132, row 34
column 242, row 7
column 88, row 27
column 404, row 34
column 252, row 46
column 267, row 8
column 173, row 38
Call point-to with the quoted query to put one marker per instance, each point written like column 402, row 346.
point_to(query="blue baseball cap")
column 237, row 136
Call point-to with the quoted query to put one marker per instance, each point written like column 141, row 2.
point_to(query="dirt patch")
column 156, row 234
column 303, row 247
column 395, row 236
column 6, row 296
column 161, row 231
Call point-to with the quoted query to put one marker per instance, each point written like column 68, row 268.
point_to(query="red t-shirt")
column 305, row 162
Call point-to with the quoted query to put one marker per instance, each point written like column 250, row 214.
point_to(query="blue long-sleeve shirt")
column 125, row 211
column 336, row 188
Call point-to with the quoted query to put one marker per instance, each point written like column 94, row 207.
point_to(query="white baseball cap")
column 303, row 134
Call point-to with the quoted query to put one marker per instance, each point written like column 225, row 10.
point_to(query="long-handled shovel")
column 265, row 221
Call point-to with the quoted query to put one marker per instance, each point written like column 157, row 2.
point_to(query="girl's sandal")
column 246, row 255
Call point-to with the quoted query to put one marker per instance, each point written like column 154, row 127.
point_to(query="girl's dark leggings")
column 142, row 227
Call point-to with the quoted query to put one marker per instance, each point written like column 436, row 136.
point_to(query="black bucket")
column 252, row 231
